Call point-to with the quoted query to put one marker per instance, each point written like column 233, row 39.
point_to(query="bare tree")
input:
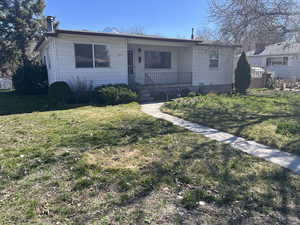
column 137, row 29
column 264, row 21
column 206, row 33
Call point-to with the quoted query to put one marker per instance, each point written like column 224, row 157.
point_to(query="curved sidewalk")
column 284, row 159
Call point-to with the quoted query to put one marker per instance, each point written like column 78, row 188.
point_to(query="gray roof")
column 122, row 35
column 283, row 48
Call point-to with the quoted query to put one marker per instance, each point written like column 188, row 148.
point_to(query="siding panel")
column 203, row 75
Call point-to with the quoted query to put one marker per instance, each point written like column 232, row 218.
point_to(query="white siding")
column 65, row 61
column 203, row 75
column 292, row 70
column 185, row 59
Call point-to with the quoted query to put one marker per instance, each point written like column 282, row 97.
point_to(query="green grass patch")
column 288, row 128
column 268, row 117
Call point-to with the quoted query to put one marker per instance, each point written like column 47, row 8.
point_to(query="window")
column 101, row 56
column 157, row 60
column 84, row 55
column 272, row 61
column 214, row 59
column 90, row 56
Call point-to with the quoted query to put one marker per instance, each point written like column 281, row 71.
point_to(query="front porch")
column 160, row 65
column 163, row 79
column 164, row 86
column 160, row 71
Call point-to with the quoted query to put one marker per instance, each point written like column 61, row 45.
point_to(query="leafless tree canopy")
column 264, row 21
column 140, row 30
column 206, row 33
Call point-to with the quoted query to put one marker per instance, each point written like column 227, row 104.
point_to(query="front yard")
column 268, row 117
column 116, row 165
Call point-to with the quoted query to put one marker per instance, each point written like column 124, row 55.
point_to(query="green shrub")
column 31, row 79
column 242, row 74
column 192, row 94
column 287, row 128
column 114, row 94
column 59, row 93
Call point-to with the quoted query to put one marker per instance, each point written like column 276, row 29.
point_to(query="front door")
column 130, row 66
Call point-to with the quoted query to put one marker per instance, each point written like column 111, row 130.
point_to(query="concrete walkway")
column 276, row 156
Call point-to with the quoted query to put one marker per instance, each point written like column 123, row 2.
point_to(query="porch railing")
column 168, row 78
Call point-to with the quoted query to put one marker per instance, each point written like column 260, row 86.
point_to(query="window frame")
column 284, row 61
column 157, row 68
column 93, row 55
column 210, row 59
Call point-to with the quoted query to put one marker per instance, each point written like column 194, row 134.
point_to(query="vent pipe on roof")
column 192, row 37
column 50, row 24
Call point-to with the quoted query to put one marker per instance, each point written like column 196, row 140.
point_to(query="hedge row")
column 60, row 93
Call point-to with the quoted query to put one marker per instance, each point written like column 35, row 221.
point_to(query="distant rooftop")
column 283, row 48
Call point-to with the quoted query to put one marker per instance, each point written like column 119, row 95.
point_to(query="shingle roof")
column 283, row 48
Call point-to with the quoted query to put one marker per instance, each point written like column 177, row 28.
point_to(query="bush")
column 59, row 93
column 192, row 94
column 114, row 94
column 31, row 79
column 82, row 91
column 242, row 74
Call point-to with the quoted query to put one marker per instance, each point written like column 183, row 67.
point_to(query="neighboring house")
column 283, row 59
column 152, row 62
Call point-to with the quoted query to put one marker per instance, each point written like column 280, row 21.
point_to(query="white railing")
column 168, row 78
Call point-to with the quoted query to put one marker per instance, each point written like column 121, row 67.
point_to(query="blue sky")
column 174, row 18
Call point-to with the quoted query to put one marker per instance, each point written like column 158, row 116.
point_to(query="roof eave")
column 89, row 33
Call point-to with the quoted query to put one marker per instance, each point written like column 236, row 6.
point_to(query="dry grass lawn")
column 116, row 165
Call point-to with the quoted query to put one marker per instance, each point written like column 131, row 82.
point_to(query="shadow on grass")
column 224, row 184
column 129, row 130
column 12, row 103
column 120, row 132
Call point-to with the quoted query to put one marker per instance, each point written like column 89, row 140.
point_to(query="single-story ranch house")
column 283, row 59
column 151, row 62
